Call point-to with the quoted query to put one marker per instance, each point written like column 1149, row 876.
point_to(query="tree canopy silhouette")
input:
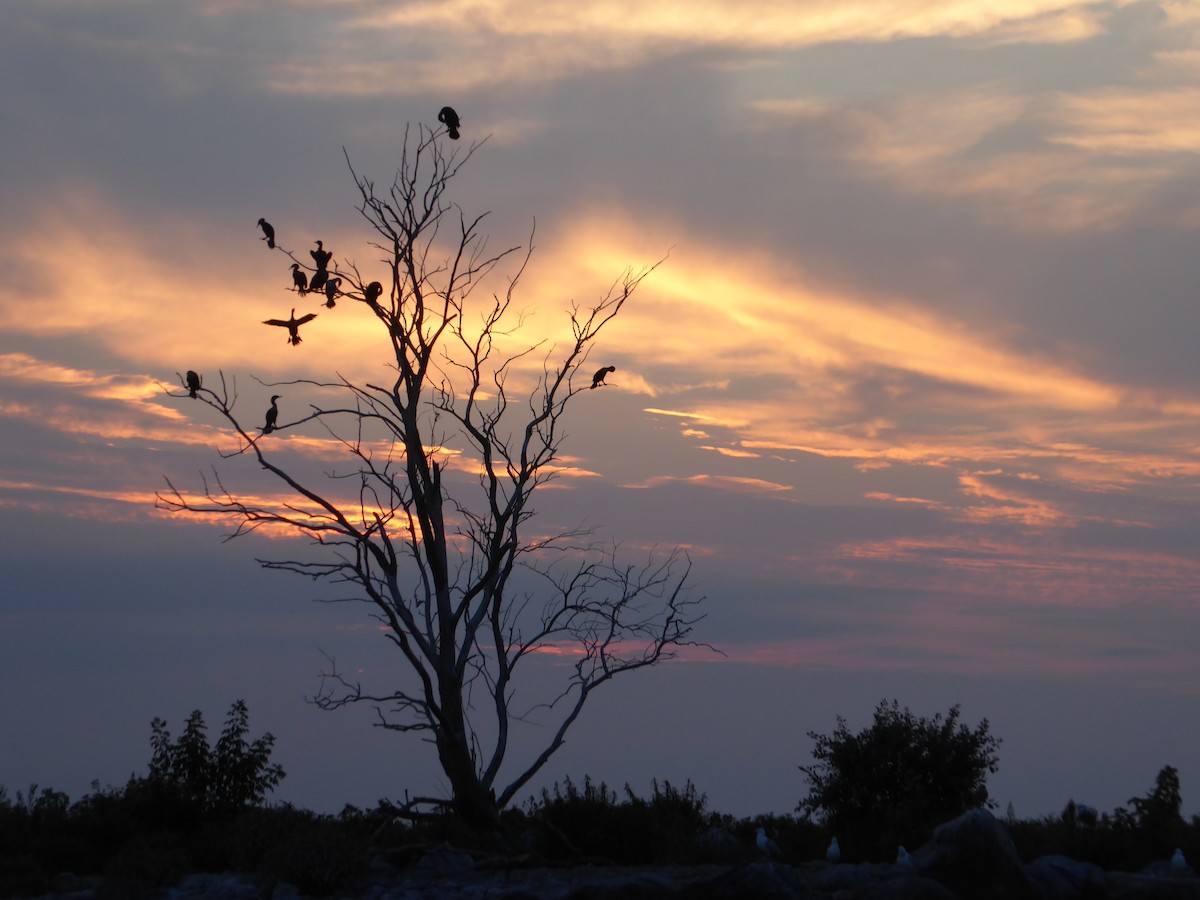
column 448, row 448
column 893, row 782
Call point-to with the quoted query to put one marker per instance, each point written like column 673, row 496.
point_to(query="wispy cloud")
column 735, row 483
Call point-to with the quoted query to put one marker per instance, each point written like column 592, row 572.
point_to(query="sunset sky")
column 915, row 384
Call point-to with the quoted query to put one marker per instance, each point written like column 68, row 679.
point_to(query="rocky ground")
column 970, row 857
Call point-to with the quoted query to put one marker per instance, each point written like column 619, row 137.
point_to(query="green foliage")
column 234, row 775
column 893, row 782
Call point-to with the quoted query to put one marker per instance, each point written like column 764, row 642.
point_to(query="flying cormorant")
column 372, row 292
column 268, row 232
column 272, row 416
column 598, row 378
column 321, row 256
column 193, row 383
column 292, row 325
column 449, row 118
column 331, row 291
column 299, row 278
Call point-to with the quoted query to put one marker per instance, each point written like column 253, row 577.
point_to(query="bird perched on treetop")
column 598, row 378
column 331, row 291
column 292, row 325
column 193, row 383
column 449, row 118
column 268, row 232
column 372, row 292
column 318, row 280
column 321, row 256
column 299, row 279
column 272, row 416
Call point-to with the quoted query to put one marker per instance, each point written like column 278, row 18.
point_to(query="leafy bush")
column 591, row 822
column 145, row 835
column 234, row 775
column 893, row 782
column 1156, row 817
column 1125, row 840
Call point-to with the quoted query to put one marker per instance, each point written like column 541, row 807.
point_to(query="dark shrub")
column 893, row 782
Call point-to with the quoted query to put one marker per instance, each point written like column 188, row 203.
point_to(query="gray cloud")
column 915, row 386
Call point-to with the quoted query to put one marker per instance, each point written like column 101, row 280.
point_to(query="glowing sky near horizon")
column 915, row 382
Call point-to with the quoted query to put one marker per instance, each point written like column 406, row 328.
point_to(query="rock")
column 719, row 844
column 755, row 881
column 975, row 856
column 446, row 859
column 68, row 884
column 642, row 886
column 909, row 887
column 1126, row 886
column 850, row 879
column 1059, row 877
column 209, row 886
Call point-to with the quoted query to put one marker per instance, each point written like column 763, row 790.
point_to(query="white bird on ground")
column 902, row 857
column 766, row 846
column 1179, row 865
column 834, row 853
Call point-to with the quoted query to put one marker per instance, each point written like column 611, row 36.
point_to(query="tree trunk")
column 473, row 802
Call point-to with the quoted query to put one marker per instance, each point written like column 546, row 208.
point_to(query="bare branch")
column 429, row 522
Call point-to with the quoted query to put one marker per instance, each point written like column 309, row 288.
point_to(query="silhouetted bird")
column 318, row 280
column 321, row 256
column 193, row 383
column 598, row 378
column 834, row 853
column 292, row 325
column 268, row 232
column 372, row 292
column 765, row 845
column 331, row 291
column 449, row 118
column 272, row 416
column 299, row 278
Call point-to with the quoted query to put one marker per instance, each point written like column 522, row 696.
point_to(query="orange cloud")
column 1036, row 571
column 735, row 483
column 506, row 42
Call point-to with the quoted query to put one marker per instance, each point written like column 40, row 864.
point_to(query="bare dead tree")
column 466, row 593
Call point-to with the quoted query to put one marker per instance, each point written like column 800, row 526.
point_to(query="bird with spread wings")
column 292, row 325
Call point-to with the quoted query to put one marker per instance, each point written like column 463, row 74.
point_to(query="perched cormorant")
column 449, row 118
column 300, row 279
column 268, row 232
column 318, row 281
column 272, row 416
column 372, row 292
column 331, row 291
column 193, row 383
column 321, row 256
column 598, row 378
column 292, row 325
